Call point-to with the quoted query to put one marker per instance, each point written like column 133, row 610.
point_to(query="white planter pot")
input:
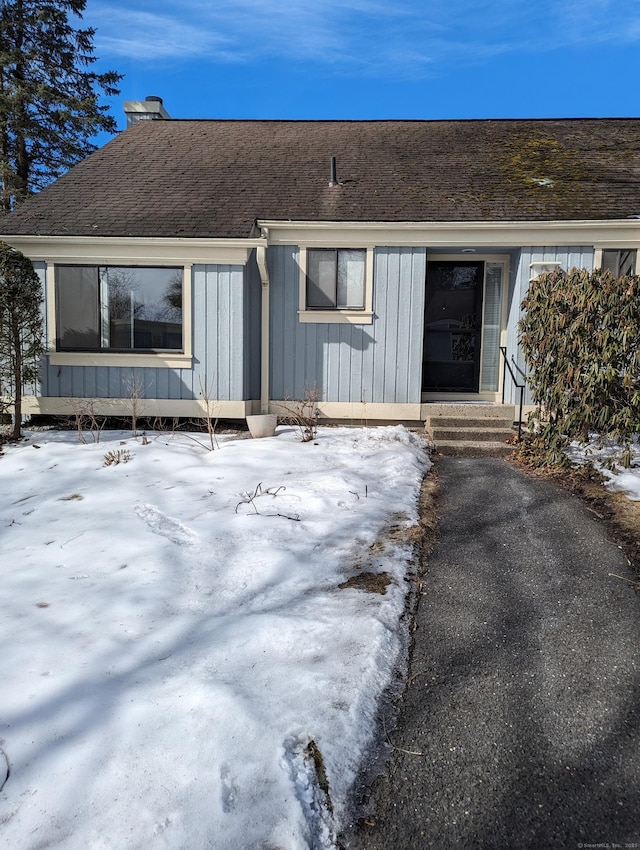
column 262, row 425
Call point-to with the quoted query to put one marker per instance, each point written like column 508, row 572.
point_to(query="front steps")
column 472, row 429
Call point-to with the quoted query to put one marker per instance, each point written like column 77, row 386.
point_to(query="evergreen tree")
column 49, row 95
column 20, row 328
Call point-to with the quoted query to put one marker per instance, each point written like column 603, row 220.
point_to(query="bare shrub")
column 86, row 420
column 303, row 414
column 206, row 424
column 116, row 456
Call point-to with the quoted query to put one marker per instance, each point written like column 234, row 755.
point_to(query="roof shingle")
column 211, row 178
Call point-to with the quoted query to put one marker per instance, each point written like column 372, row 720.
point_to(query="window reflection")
column 118, row 308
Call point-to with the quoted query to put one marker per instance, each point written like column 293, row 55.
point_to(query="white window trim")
column 599, row 250
column 161, row 359
column 337, row 316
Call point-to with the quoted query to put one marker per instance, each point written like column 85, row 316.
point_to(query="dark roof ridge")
column 547, row 119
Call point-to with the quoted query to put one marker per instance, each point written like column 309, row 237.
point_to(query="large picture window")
column 118, row 308
column 336, row 278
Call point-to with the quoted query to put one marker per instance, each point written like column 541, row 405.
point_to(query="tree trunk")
column 23, row 165
column 5, row 153
column 17, row 378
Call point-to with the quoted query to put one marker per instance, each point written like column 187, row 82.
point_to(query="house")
column 381, row 262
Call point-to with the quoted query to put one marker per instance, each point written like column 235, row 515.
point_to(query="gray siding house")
column 381, row 263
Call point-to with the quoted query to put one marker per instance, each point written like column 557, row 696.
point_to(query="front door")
column 453, row 322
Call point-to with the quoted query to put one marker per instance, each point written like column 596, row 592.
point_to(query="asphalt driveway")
column 524, row 692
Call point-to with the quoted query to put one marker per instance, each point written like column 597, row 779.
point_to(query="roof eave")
column 452, row 234
column 148, row 249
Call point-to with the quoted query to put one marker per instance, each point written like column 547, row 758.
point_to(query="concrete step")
column 472, row 429
column 468, row 422
column 470, row 410
column 471, row 448
column 477, row 434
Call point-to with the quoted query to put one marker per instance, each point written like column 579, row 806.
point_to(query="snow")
column 174, row 637
column 599, row 452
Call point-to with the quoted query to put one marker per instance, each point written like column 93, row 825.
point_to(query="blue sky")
column 373, row 59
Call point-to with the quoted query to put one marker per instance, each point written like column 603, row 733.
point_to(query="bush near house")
column 20, row 329
column 580, row 336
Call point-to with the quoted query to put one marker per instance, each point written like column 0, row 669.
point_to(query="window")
column 118, row 308
column 335, row 279
column 619, row 263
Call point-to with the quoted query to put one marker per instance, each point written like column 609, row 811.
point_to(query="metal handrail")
column 521, row 387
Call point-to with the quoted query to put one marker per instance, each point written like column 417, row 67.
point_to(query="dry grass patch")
column 425, row 533
column 421, row 536
column 371, row 582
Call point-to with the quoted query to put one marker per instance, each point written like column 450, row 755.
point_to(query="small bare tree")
column 211, row 418
column 135, row 400
column 209, row 421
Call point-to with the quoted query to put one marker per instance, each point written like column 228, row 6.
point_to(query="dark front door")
column 453, row 321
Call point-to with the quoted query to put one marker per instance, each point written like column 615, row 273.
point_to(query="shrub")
column 303, row 414
column 116, row 456
column 20, row 328
column 580, row 337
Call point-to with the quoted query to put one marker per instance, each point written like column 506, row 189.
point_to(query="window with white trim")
column 118, row 308
column 619, row 262
column 335, row 285
column 336, row 278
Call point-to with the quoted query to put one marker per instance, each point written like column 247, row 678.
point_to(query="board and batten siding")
column 220, row 351
column 375, row 363
column 581, row 257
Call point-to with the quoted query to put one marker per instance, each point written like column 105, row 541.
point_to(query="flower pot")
column 262, row 425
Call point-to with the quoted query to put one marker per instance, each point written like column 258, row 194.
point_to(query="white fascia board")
column 153, row 250
column 453, row 234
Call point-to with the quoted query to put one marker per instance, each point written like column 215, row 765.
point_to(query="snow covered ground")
column 619, row 479
column 179, row 663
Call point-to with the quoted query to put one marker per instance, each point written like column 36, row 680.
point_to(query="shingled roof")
column 215, row 178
